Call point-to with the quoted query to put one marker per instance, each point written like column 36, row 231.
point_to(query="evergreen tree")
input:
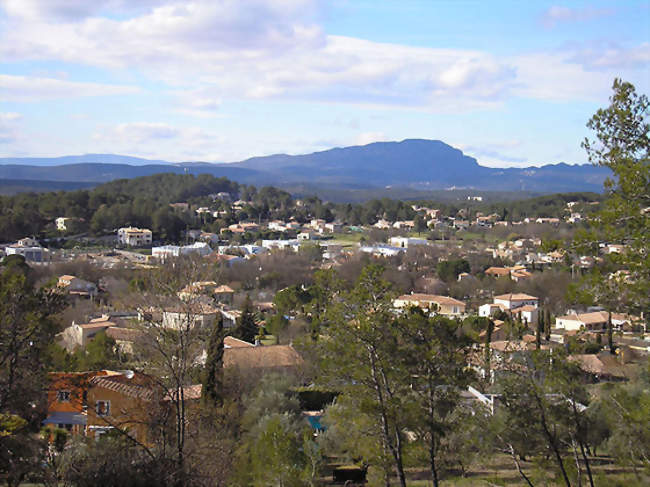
column 213, row 371
column 622, row 144
column 246, row 328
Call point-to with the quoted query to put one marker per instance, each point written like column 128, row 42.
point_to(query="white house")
column 281, row 244
column 588, row 321
column 444, row 304
column 527, row 314
column 512, row 301
column 490, row 309
column 406, row 242
column 32, row 254
column 194, row 315
column 134, row 237
column 166, row 251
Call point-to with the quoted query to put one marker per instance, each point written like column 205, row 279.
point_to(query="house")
column 191, row 315
column 67, row 401
column 444, row 304
column 601, row 366
column 134, row 237
column 168, row 251
column 280, row 358
column 596, row 320
column 548, row 221
column 197, row 289
column 306, row 235
column 232, row 342
column 230, row 317
column 29, row 248
column 281, row 244
column 229, row 260
column 406, row 242
column 461, row 224
column 333, row 227
column 121, row 400
column 408, row 224
column 61, row 223
column 75, row 286
column 497, row 271
column 490, row 309
column 382, row 250
column 513, row 300
column 528, row 314
column 223, row 294
column 80, row 335
column 382, row 224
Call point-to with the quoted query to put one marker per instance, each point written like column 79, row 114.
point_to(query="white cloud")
column 209, row 51
column 366, row 138
column 612, row 56
column 25, row 88
column 8, row 127
column 557, row 14
column 158, row 140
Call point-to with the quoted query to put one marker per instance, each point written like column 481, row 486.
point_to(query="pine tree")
column 213, row 371
column 246, row 328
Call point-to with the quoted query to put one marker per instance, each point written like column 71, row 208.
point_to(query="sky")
column 511, row 83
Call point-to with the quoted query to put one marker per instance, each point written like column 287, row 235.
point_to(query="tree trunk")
column 395, row 450
column 610, row 333
column 518, row 466
column 552, row 443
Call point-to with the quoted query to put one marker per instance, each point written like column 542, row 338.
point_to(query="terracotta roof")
column 263, row 357
column 432, row 298
column 223, row 289
column 138, row 386
column 516, row 297
column 528, row 307
column 97, row 324
column 598, row 364
column 189, row 393
column 587, row 318
column 232, row 342
column 123, row 334
column 497, row 271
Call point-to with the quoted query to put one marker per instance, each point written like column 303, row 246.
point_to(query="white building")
column 406, row 242
column 134, row 237
column 194, row 315
column 61, row 223
column 166, row 251
column 281, row 244
column 513, row 301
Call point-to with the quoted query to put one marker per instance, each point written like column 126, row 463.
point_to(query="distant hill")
column 414, row 164
column 83, row 159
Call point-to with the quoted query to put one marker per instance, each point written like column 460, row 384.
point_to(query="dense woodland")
column 144, row 202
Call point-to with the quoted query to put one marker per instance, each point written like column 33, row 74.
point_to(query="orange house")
column 66, row 400
column 122, row 400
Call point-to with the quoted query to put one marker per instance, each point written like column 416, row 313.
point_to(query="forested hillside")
column 145, row 202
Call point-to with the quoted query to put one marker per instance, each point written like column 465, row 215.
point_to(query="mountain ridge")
column 410, row 163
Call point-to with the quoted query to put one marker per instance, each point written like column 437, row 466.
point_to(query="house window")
column 63, row 396
column 103, row 408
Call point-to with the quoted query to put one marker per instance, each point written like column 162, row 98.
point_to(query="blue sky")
column 511, row 83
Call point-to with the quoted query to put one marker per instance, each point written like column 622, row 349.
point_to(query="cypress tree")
column 213, row 371
column 246, row 328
